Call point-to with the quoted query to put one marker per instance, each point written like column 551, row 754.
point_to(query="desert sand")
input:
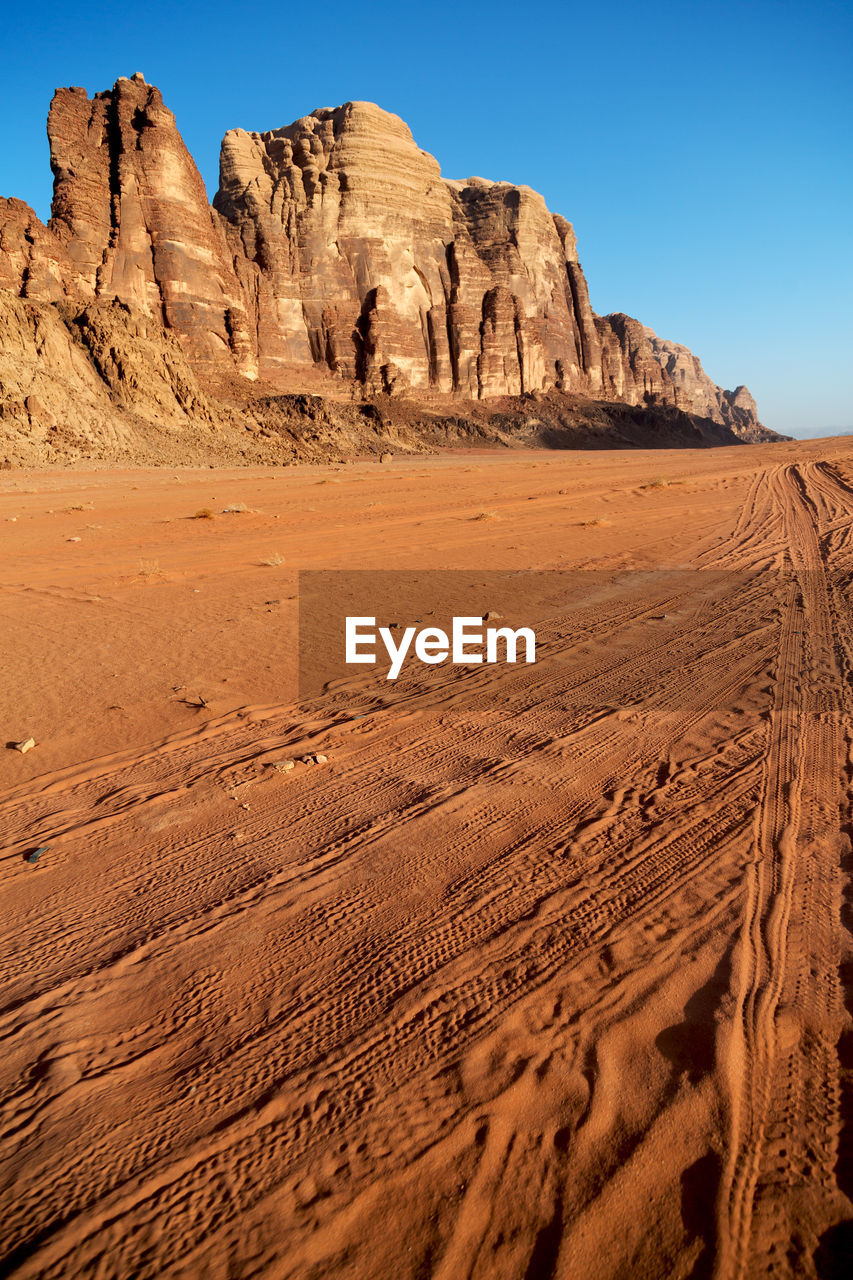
column 541, row 974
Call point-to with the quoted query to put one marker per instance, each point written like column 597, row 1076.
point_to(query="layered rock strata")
column 131, row 212
column 333, row 247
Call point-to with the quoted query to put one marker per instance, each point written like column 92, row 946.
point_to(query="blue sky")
column 703, row 151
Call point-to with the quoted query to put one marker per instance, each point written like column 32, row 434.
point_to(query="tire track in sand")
column 779, row 1191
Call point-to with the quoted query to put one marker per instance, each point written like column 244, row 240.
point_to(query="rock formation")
column 336, row 251
column 370, row 263
column 131, row 211
column 91, row 381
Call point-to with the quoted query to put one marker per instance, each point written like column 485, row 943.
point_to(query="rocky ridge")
column 335, row 259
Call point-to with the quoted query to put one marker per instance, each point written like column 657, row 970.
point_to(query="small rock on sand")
column 26, row 745
column 284, row 766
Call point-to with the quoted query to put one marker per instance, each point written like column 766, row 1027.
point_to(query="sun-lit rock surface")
column 131, row 210
column 334, row 251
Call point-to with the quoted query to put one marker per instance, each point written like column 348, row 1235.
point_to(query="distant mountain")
column 816, row 433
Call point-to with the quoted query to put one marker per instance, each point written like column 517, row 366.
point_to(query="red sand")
column 521, row 982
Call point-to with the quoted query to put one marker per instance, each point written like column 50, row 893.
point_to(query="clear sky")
column 702, row 150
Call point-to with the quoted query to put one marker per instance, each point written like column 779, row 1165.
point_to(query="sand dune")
column 545, row 973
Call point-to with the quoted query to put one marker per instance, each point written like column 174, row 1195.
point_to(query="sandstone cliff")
column 335, row 257
column 131, row 211
column 370, row 263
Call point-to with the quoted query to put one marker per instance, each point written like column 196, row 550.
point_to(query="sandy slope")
column 543, row 974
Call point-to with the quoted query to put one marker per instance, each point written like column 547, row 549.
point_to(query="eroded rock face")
column 89, row 380
column 33, row 262
column 370, row 263
column 334, row 249
column 131, row 211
